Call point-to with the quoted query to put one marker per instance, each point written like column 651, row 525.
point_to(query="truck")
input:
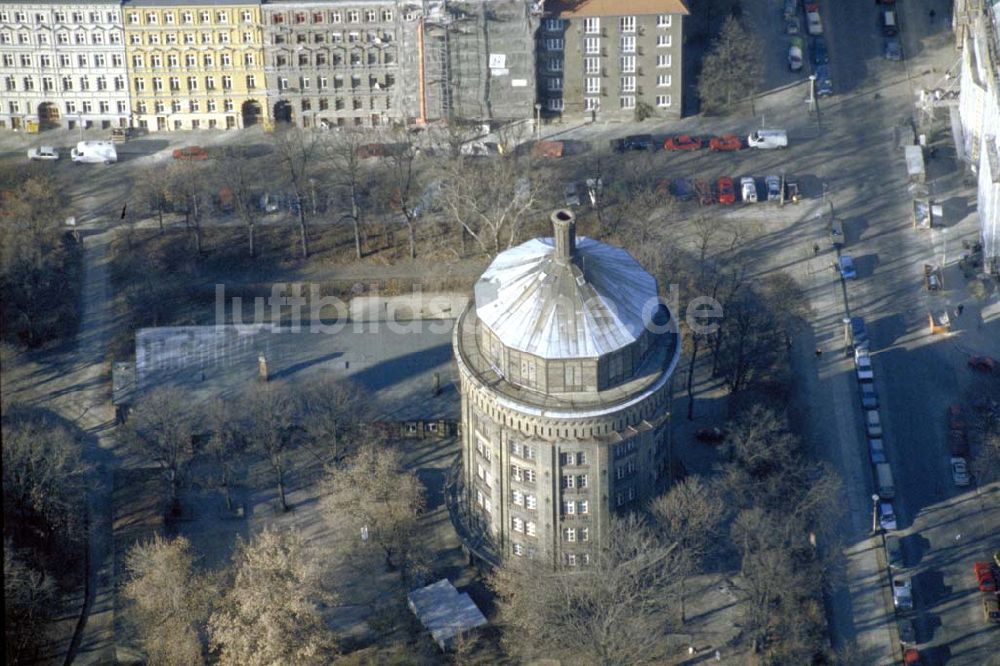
column 766, row 139
column 94, row 152
column 884, row 482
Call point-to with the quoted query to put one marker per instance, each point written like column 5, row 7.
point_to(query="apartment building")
column 611, row 59
column 331, row 63
column 62, row 64
column 195, row 65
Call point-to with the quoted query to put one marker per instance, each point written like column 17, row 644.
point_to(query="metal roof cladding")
column 564, row 297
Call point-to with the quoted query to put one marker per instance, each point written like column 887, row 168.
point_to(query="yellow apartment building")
column 195, row 66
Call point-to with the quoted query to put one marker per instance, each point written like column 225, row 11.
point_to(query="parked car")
column 195, row 153
column 958, row 445
column 956, row 418
column 893, row 49
column 710, row 435
column 873, row 424
column 682, row 142
column 791, row 190
column 820, row 55
column 876, row 451
column 982, row 363
column 791, row 9
column 888, row 21
column 869, row 398
column 859, row 333
column 907, row 634
column 725, row 142
column 960, row 472
column 795, row 54
column 991, row 608
column 43, row 153
column 911, row 657
column 847, row 267
column 635, row 142
column 773, row 184
column 863, row 365
column 814, row 24
column 726, row 190
column 792, row 25
column 682, row 189
column 984, row 577
column 824, row 86
column 271, row 203
column 902, row 593
column 886, row 516
column 547, row 149
column 572, row 196
column 748, row 190
column 837, row 233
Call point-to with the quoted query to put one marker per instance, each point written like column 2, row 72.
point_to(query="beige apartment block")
column 611, row 59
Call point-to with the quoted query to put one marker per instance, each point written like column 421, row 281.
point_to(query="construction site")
column 468, row 61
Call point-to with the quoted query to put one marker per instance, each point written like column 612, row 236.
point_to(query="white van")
column 883, row 476
column 768, row 138
column 94, row 152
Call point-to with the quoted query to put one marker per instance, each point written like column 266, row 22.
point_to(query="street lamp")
column 875, row 499
column 538, row 120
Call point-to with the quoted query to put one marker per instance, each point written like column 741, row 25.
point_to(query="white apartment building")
column 62, row 64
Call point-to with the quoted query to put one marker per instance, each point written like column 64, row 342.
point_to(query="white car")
column 863, row 363
column 748, row 189
column 814, row 24
column 572, row 195
column 886, row 516
column 960, row 472
column 902, row 594
column 43, row 153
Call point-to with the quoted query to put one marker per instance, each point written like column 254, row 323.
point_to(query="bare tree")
column 690, row 515
column 169, row 602
column 270, row 614
column 298, row 151
column 236, row 172
column 403, row 184
column 159, row 428
column 333, row 411
column 153, row 192
column 187, row 184
column 614, row 611
column 226, row 443
column 348, row 174
column 378, row 503
column 266, row 423
column 732, row 69
column 29, row 598
column 44, row 481
column 491, row 199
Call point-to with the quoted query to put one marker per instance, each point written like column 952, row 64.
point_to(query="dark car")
column 682, row 189
column 820, row 54
column 889, row 21
column 869, row 399
column 635, row 142
column 824, row 86
column 710, row 435
column 893, row 49
column 859, row 333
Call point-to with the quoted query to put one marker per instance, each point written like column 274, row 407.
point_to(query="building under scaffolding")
column 977, row 31
column 469, row 60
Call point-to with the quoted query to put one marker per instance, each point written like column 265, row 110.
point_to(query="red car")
column 726, row 190
column 956, row 418
column 682, row 142
column 984, row 576
column 190, row 153
column 726, row 142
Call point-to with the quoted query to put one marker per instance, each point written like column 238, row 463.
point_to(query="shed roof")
column 444, row 611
